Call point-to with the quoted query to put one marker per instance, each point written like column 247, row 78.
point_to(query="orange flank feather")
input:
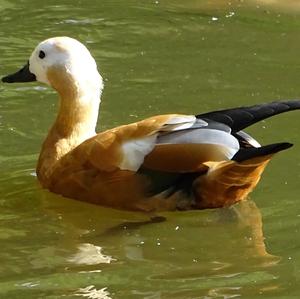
column 228, row 182
column 183, row 157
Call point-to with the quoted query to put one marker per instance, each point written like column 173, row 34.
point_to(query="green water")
column 156, row 57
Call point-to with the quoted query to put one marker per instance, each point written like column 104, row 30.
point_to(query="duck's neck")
column 76, row 120
column 75, row 123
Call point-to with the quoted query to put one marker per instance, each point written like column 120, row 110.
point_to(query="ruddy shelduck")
column 165, row 162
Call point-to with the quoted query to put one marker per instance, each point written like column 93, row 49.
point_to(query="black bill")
column 23, row 75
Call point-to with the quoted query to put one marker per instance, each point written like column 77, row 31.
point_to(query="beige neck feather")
column 75, row 123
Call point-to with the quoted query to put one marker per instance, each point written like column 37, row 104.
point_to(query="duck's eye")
column 42, row 54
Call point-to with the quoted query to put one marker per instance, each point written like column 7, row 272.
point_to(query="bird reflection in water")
column 88, row 224
column 223, row 241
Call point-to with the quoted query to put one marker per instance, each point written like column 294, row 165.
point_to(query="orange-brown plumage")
column 229, row 182
column 165, row 162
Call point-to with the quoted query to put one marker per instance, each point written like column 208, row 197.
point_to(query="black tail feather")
column 239, row 118
column 253, row 152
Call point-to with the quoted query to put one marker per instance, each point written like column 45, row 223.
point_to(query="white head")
column 62, row 62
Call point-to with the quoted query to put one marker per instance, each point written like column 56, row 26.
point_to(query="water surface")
column 156, row 57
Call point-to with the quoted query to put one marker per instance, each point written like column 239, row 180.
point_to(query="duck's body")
column 165, row 162
column 131, row 167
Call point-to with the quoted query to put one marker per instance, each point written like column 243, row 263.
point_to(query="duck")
column 164, row 162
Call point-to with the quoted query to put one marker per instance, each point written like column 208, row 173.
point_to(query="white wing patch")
column 135, row 150
column 182, row 122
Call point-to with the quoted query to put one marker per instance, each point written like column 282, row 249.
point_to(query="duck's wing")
column 180, row 143
column 170, row 143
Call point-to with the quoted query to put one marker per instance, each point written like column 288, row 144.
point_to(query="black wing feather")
column 240, row 118
column 248, row 153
